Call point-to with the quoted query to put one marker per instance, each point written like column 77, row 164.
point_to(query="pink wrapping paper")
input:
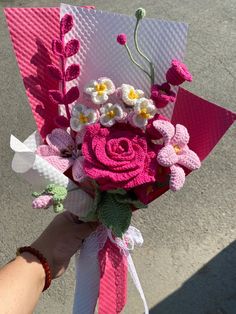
column 205, row 121
column 113, row 279
column 32, row 31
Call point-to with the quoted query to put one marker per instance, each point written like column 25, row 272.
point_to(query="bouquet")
column 115, row 131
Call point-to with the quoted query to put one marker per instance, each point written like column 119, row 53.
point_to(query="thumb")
column 84, row 229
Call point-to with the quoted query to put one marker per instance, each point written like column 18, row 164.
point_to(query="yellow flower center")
column 133, row 94
column 83, row 119
column 143, row 113
column 111, row 114
column 177, row 149
column 101, row 88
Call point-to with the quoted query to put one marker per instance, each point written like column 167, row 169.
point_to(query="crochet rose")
column 178, row 73
column 118, row 157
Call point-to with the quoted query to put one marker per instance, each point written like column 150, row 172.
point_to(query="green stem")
column 136, row 63
column 141, row 53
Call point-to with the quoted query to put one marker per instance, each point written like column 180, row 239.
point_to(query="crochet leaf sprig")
column 115, row 209
column 63, row 51
column 53, row 195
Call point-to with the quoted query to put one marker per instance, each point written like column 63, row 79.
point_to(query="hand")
column 61, row 239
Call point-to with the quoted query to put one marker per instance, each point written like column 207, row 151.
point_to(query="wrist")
column 34, row 268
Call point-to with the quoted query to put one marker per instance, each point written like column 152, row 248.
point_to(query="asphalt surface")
column 187, row 263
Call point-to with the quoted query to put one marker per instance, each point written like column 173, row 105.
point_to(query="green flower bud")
column 140, row 13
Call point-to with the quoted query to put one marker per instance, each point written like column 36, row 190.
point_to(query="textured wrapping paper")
column 32, row 31
column 101, row 55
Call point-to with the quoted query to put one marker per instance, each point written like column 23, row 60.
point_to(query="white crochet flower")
column 82, row 116
column 130, row 95
column 99, row 90
column 110, row 114
column 143, row 111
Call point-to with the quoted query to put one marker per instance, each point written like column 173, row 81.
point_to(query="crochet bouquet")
column 115, row 131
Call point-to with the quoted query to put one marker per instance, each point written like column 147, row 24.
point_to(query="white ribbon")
column 87, row 267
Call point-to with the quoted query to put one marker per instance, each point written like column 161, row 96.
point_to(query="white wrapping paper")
column 101, row 55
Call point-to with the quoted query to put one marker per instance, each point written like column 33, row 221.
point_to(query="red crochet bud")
column 122, row 39
column 178, row 73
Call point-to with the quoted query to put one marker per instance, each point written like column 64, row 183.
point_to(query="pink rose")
column 118, row 157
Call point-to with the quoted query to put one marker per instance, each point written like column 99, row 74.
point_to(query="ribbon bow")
column 101, row 272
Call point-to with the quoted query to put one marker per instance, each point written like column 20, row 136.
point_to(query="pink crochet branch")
column 63, row 51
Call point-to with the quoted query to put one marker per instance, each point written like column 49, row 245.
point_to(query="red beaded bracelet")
column 42, row 260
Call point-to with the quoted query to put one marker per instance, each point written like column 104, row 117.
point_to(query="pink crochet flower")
column 151, row 131
column 176, row 152
column 62, row 152
column 42, row 201
column 118, row 157
column 162, row 95
column 178, row 73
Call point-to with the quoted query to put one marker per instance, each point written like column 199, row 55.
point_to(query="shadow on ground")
column 212, row 290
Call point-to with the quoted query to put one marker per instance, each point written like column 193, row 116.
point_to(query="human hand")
column 61, row 239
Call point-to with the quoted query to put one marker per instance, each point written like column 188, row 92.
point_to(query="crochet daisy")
column 100, row 90
column 143, row 111
column 110, row 114
column 130, row 95
column 82, row 116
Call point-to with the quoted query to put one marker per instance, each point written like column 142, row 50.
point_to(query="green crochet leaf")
column 129, row 199
column 118, row 191
column 97, row 199
column 114, row 215
column 36, row 194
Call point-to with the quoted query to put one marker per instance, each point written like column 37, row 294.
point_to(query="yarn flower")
column 130, row 95
column 178, row 73
column 118, row 157
column 122, row 39
column 110, row 114
column 82, row 116
column 143, row 111
column 162, row 95
column 176, row 152
column 62, row 152
column 100, row 90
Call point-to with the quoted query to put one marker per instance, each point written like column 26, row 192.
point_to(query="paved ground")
column 187, row 264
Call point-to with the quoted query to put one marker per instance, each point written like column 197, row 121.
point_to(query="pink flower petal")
column 80, row 136
column 45, row 150
column 78, row 170
column 42, row 201
column 189, row 159
column 181, row 137
column 62, row 164
column 166, row 129
column 59, row 139
column 167, row 156
column 177, row 178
